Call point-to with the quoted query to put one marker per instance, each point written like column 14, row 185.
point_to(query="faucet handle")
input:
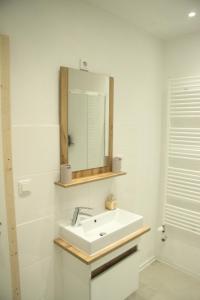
column 84, row 213
column 77, row 211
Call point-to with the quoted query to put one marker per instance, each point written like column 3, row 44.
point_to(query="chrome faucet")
column 78, row 211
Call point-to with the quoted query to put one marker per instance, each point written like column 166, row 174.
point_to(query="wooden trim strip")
column 63, row 107
column 113, row 262
column 91, row 172
column 88, row 259
column 83, row 180
column 7, row 159
column 111, row 114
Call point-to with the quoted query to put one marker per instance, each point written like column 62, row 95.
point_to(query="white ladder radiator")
column 182, row 188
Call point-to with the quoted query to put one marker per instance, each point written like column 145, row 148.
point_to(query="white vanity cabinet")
column 113, row 276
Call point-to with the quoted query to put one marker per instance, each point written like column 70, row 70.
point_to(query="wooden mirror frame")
column 63, row 110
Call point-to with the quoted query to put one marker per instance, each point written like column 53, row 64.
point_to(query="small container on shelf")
column 116, row 164
column 111, row 202
column 65, row 173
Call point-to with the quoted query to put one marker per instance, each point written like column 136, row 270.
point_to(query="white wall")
column 45, row 35
column 182, row 58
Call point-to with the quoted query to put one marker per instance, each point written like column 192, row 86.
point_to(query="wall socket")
column 83, row 64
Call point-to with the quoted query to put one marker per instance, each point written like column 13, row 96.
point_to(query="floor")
column 161, row 282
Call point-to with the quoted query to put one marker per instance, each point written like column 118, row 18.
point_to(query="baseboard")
column 179, row 268
column 147, row 263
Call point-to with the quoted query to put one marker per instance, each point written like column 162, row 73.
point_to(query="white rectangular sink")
column 97, row 232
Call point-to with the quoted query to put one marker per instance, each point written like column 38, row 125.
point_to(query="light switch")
column 24, row 186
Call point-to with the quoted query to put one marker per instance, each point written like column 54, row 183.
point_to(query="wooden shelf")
column 92, row 178
column 88, row 259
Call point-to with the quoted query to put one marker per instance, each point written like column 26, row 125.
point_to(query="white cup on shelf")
column 65, row 173
column 116, row 164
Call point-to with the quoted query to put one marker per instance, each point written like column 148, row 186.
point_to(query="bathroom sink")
column 97, row 232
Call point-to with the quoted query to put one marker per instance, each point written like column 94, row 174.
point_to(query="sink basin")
column 97, row 232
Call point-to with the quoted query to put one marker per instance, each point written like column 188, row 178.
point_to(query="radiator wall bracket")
column 162, row 229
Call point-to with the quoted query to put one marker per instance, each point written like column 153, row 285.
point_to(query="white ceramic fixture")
column 99, row 231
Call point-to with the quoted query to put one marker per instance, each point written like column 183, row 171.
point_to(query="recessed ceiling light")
column 192, row 14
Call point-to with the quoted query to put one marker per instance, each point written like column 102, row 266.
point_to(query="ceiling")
column 163, row 18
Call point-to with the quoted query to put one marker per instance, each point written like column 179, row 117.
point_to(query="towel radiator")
column 182, row 178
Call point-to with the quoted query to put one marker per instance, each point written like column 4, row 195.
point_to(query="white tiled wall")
column 36, row 149
column 38, row 280
column 41, row 200
column 45, row 35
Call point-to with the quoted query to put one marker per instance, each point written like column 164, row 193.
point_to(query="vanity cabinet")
column 113, row 276
column 118, row 282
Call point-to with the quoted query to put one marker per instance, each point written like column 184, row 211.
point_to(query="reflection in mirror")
column 88, row 120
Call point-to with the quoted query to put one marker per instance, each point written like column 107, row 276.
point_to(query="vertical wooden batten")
column 63, row 90
column 111, row 113
column 7, row 161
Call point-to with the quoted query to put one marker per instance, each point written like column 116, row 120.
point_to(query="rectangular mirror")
column 86, row 121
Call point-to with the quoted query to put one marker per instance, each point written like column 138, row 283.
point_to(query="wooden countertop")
column 88, row 259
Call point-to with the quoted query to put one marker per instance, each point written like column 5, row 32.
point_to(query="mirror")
column 86, row 117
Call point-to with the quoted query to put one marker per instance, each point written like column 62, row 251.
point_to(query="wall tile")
column 35, row 240
column 35, row 149
column 68, row 199
column 98, row 192
column 40, row 202
column 39, row 105
column 37, row 280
